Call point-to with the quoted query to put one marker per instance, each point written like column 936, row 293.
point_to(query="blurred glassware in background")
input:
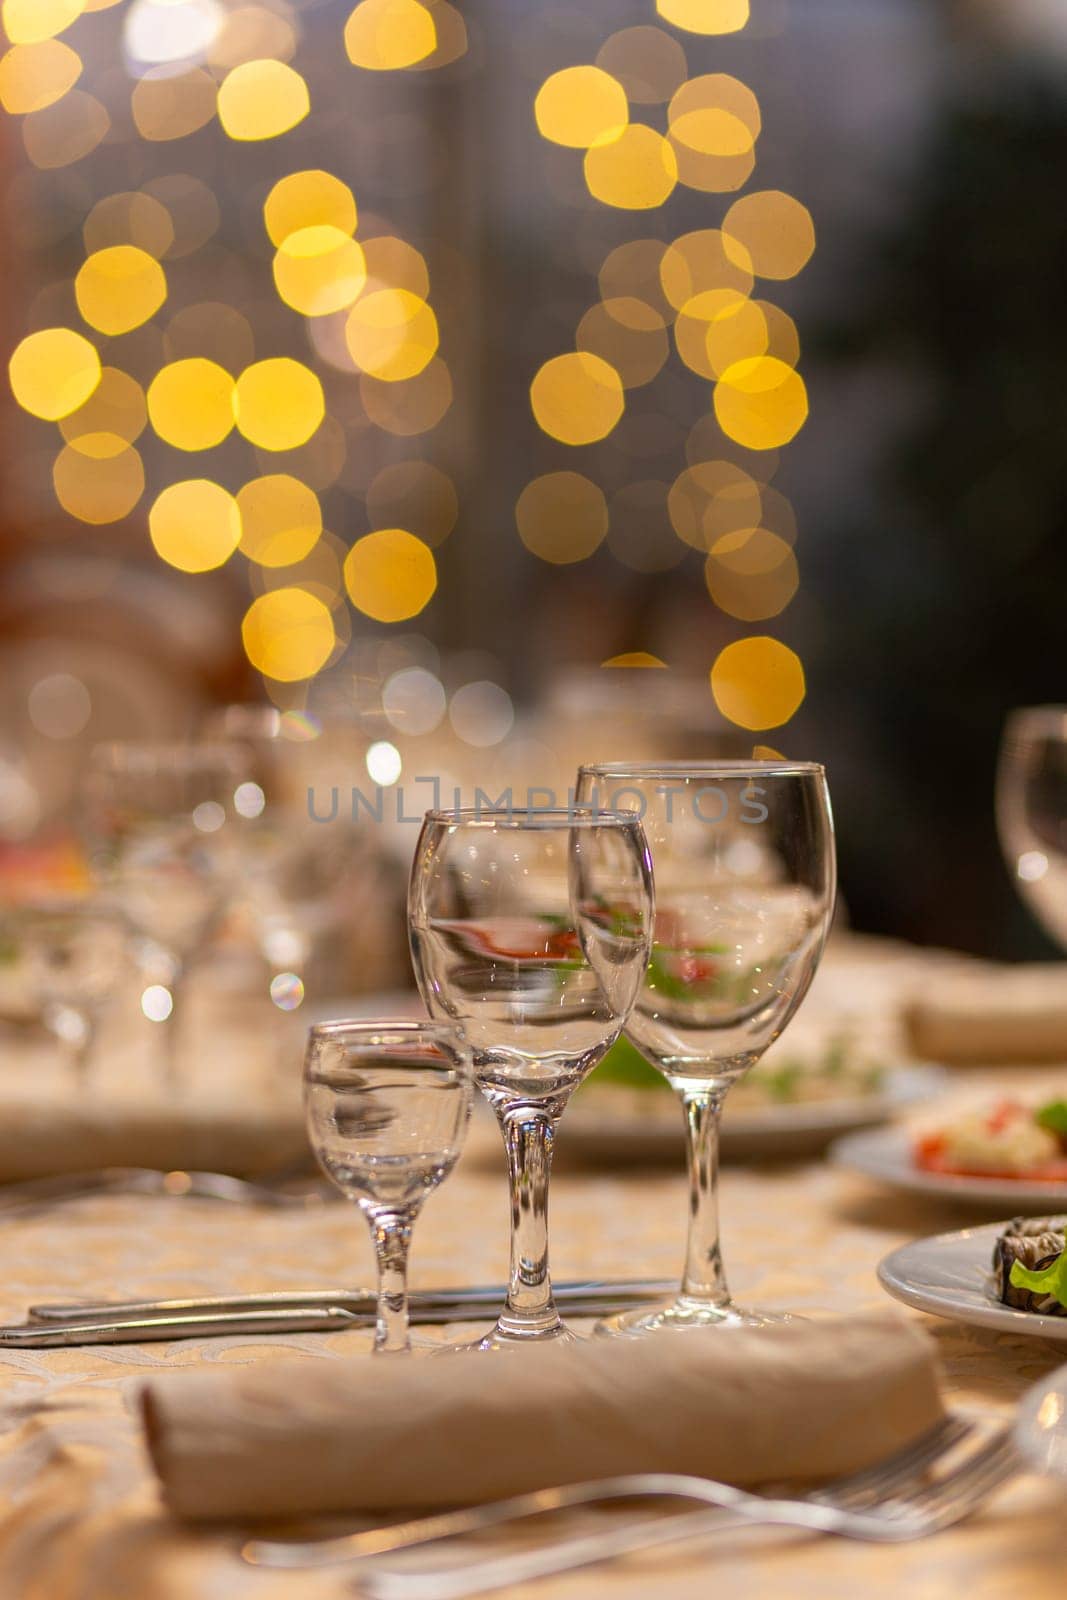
column 159, row 824
column 743, row 855
column 60, row 963
column 530, row 929
column 1032, row 811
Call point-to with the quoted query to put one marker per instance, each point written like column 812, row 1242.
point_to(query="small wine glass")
column 387, row 1110
column 1032, row 811
column 70, row 955
column 530, row 929
column 745, row 877
column 159, row 821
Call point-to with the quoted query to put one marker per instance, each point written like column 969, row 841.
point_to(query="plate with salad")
column 1008, row 1275
column 1006, row 1151
column 805, row 1091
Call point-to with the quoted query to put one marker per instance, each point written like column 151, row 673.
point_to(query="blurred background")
column 478, row 387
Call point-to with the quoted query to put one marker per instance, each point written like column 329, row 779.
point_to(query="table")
column 79, row 1514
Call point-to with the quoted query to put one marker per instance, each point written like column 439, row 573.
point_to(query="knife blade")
column 600, row 1295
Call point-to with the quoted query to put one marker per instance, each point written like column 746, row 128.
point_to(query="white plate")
column 885, row 1154
column 950, row 1276
column 594, row 1127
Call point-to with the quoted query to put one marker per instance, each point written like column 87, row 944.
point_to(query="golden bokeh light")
column 390, row 575
column 251, row 32
column 451, row 37
column 649, row 63
column 711, row 499
column 389, row 35
column 715, row 93
column 53, row 372
column 281, row 520
column 195, row 525
column 262, row 100
column 562, row 517
column 751, row 574
column 29, row 21
column 758, row 682
column 770, row 231
column 130, row 217
column 100, row 479
column 777, row 515
column 318, row 573
column 167, row 105
column 634, row 172
column 212, row 329
column 716, row 329
column 119, row 288
column 761, row 403
column 309, row 199
column 392, row 263
column 634, row 658
column 712, row 174
column 697, row 262
column 633, row 270
column 34, row 76
column 192, row 208
column 319, row 270
column 629, row 335
column 714, row 122
column 278, row 403
column 577, row 398
column 640, row 535
column 406, row 409
column 288, row 634
column 415, row 495
column 783, row 339
column 66, row 132
column 705, row 16
column 319, row 463
column 580, row 107
column 116, row 407
column 191, row 403
column 391, row 334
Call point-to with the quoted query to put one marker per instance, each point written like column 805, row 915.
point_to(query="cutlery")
column 598, row 1296
column 33, row 1195
column 899, row 1499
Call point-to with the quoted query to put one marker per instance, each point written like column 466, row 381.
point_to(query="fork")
column 30, row 1196
column 895, row 1500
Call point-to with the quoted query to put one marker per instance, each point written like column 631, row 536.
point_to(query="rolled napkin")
column 800, row 1400
column 992, row 1014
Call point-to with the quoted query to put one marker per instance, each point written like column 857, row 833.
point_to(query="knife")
column 600, row 1296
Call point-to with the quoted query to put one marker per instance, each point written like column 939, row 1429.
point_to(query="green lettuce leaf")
column 1054, row 1116
column 1050, row 1280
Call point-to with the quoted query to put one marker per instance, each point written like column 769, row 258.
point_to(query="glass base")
column 683, row 1316
column 505, row 1337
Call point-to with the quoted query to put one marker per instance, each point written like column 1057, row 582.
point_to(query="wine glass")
column 745, row 877
column 159, row 821
column 530, row 929
column 387, row 1110
column 1032, row 811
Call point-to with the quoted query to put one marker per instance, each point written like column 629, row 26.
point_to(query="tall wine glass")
column 531, row 930
column 745, row 876
column 159, row 821
column 1032, row 811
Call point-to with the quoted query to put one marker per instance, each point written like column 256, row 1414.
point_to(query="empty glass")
column 159, row 822
column 387, row 1110
column 745, row 875
column 1032, row 811
column 530, row 929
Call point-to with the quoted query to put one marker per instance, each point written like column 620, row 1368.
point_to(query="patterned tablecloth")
column 79, row 1514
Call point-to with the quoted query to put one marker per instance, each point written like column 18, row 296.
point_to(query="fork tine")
column 971, row 1481
column 885, row 1476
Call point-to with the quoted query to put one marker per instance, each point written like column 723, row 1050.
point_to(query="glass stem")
column 391, row 1233
column 172, row 1030
column 529, row 1132
column 704, row 1282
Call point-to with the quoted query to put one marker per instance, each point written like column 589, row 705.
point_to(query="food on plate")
column 1009, row 1139
column 1030, row 1265
column 832, row 1068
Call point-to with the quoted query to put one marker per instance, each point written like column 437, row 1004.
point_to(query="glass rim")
column 368, row 1028
column 522, row 817
column 722, row 768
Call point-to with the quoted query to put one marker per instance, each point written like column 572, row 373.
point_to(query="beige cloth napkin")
column 992, row 1014
column 801, row 1400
